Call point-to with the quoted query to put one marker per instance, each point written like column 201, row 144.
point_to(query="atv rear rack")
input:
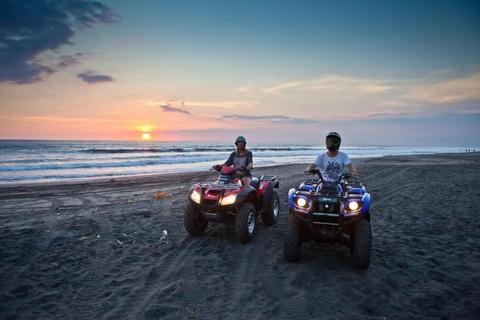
column 268, row 178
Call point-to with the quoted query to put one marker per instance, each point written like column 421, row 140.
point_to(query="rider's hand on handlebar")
column 243, row 170
column 311, row 171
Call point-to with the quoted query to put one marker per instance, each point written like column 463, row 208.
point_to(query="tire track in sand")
column 160, row 280
column 87, row 299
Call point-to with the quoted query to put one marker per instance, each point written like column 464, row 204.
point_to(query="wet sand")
column 111, row 250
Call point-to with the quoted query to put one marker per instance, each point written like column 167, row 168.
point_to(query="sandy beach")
column 111, row 249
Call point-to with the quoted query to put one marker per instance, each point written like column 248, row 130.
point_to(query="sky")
column 401, row 73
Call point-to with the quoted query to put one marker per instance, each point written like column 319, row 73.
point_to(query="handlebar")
column 343, row 176
column 347, row 176
column 218, row 167
column 315, row 171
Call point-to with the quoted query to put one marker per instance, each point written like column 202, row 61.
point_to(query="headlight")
column 301, row 202
column 353, row 205
column 196, row 196
column 228, row 199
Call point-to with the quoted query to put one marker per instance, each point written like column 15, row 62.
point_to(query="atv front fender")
column 249, row 194
column 268, row 194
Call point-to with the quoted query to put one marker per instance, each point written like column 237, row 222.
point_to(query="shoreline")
column 155, row 176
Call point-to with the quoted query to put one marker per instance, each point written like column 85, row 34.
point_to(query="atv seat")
column 254, row 182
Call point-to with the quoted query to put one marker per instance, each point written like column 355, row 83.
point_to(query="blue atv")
column 329, row 211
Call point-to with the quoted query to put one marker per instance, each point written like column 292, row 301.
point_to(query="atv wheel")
column 245, row 222
column 270, row 214
column 292, row 250
column 193, row 221
column 361, row 244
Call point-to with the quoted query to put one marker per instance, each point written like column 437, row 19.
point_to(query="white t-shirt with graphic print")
column 332, row 167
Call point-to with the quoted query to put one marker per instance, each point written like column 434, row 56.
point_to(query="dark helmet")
column 241, row 139
column 333, row 141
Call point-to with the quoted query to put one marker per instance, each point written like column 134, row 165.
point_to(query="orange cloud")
column 447, row 91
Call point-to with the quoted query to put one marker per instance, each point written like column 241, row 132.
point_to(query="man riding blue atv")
column 329, row 209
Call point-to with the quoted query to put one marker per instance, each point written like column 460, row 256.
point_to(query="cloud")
column 271, row 118
column 333, row 83
column 91, row 78
column 69, row 60
column 447, row 91
column 385, row 115
column 284, row 86
column 340, row 97
column 221, row 104
column 193, row 103
column 325, row 120
column 169, row 108
column 57, row 120
column 246, row 117
column 395, row 102
column 30, row 28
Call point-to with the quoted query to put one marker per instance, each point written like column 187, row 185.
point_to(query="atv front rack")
column 218, row 185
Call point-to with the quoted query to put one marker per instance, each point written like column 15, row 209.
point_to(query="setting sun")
column 146, row 136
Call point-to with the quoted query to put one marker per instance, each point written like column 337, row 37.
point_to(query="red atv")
column 227, row 200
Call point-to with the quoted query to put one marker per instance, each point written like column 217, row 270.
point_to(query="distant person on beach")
column 241, row 159
column 333, row 162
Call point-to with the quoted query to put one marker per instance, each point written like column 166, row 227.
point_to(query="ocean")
column 26, row 161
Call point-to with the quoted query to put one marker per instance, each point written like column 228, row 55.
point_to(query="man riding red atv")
column 228, row 200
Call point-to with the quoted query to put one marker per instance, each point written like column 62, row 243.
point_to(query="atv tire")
column 292, row 245
column 245, row 222
column 194, row 223
column 361, row 244
column 272, row 209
